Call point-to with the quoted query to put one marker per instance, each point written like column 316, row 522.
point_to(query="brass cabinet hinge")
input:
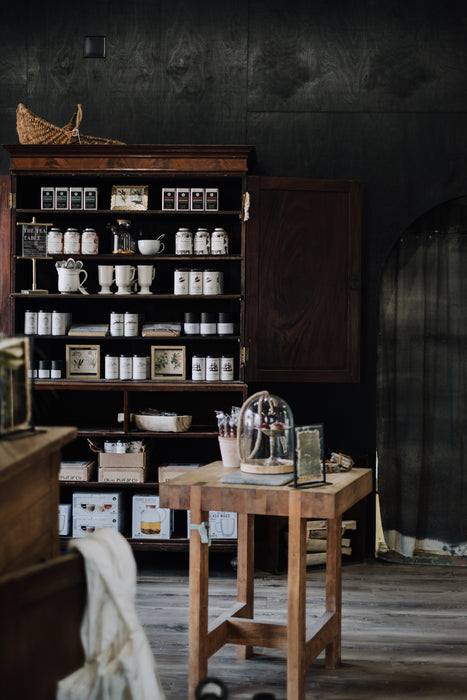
column 244, row 352
column 12, row 200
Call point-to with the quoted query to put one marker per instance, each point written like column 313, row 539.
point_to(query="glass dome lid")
column 266, row 435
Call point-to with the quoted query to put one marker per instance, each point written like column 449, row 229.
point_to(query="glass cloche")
column 266, row 435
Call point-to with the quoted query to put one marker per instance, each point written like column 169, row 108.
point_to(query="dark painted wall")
column 367, row 90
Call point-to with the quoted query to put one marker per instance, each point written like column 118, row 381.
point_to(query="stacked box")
column 124, row 468
column 222, row 525
column 76, row 470
column 149, row 522
column 92, row 510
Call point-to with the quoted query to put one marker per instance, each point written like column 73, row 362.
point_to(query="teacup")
column 148, row 246
column 145, row 277
column 106, row 278
column 124, row 276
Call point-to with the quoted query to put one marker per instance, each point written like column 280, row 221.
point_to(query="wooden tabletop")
column 17, row 453
column 343, row 491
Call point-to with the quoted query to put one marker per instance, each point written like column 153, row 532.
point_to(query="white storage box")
column 64, row 518
column 97, row 504
column 84, row 526
column 150, row 522
column 222, row 525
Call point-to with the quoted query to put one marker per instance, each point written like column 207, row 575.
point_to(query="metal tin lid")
column 208, row 317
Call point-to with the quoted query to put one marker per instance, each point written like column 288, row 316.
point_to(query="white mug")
column 146, row 275
column 69, row 279
column 106, row 278
column 124, row 276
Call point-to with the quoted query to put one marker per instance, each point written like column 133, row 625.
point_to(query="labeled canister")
column 126, row 367
column 212, row 282
column 191, row 323
column 198, row 368
column 30, row 323
column 89, row 242
column 195, row 282
column 130, row 324
column 140, row 367
column 112, row 367
column 59, row 321
column 181, row 281
column 56, row 369
column 44, row 323
column 208, row 325
column 202, row 242
column 212, row 368
column 71, row 242
column 44, row 369
column 184, row 242
column 225, row 324
column 54, row 241
column 227, row 368
column 117, row 319
column 219, row 242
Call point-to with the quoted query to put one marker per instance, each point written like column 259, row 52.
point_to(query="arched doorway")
column 422, row 389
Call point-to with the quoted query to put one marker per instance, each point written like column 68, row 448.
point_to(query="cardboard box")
column 122, row 475
column 222, row 525
column 126, row 460
column 76, row 470
column 170, row 471
column 97, row 504
column 84, row 526
column 149, row 522
column 64, row 519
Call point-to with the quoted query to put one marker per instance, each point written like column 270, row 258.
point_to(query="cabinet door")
column 6, row 260
column 303, row 264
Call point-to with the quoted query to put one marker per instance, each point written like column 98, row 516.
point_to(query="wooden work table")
column 201, row 491
column 29, row 496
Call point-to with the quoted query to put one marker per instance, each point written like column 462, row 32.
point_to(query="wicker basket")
column 34, row 130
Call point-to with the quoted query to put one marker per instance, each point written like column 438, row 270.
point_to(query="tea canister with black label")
column 117, row 320
column 227, row 368
column 198, row 368
column 212, row 368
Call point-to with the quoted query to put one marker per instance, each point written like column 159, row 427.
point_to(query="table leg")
column 296, row 621
column 246, row 572
column 334, row 587
column 198, row 597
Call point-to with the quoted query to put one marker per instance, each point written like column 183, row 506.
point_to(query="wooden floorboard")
column 404, row 631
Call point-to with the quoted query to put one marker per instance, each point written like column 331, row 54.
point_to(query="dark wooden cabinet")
column 303, row 280
column 291, row 282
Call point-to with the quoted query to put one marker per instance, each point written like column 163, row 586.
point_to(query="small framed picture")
column 309, row 463
column 129, row 197
column 167, row 362
column 83, row 361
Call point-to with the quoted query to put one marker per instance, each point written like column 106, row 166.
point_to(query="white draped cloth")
column 119, row 664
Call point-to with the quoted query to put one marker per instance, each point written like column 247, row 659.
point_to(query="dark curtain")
column 421, row 404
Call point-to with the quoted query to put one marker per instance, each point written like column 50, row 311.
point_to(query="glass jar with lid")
column 123, row 236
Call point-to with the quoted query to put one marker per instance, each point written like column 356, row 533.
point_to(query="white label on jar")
column 54, row 241
column 219, row 242
column 126, row 367
column 196, row 282
column 30, row 323
column 59, row 323
column 181, row 281
column 139, row 367
column 212, row 282
column 183, row 242
column 44, row 323
column 89, row 242
column 225, row 328
column 208, row 328
column 116, row 323
column 198, row 368
column 131, row 323
column 212, row 368
column 227, row 369
column 111, row 367
column 71, row 242
column 191, row 328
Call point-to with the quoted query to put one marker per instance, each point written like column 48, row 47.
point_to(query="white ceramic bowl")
column 150, row 247
column 166, row 424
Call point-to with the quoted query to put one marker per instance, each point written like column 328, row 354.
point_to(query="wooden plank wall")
column 364, row 90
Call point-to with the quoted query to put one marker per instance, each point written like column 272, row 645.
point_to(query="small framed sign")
column 168, row 362
column 83, row 361
column 129, row 197
column 34, row 239
column 309, row 468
